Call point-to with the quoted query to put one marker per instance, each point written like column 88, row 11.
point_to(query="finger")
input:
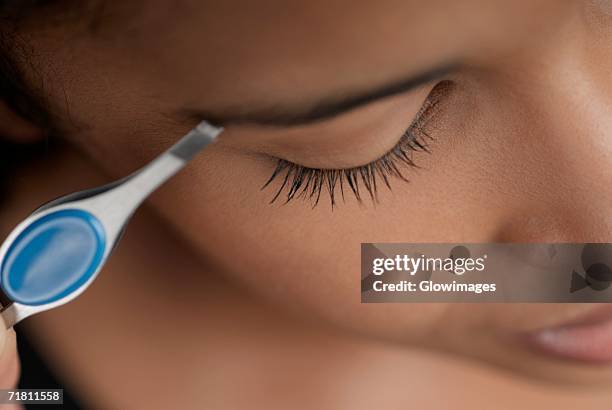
column 9, row 361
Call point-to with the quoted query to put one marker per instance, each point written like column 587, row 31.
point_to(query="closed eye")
column 307, row 183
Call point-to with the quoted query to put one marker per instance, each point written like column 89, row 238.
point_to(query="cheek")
column 306, row 260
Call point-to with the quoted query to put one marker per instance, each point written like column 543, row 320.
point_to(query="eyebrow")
column 326, row 108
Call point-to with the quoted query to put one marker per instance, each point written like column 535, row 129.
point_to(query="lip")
column 587, row 339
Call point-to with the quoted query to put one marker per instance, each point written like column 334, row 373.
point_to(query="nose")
column 566, row 174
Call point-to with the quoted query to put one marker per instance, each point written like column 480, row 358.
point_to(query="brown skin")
column 9, row 361
column 528, row 113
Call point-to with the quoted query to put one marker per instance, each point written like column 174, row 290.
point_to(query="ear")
column 16, row 128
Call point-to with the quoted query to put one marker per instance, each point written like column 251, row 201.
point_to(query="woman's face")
column 517, row 125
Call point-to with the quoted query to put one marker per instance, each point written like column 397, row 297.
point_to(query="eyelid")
column 308, row 183
column 351, row 139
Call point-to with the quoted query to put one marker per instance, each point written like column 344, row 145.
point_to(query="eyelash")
column 307, row 183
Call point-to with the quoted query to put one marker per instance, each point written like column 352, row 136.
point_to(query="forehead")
column 161, row 54
column 281, row 42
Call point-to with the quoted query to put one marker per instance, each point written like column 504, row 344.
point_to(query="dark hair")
column 14, row 51
column 18, row 18
column 14, row 90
